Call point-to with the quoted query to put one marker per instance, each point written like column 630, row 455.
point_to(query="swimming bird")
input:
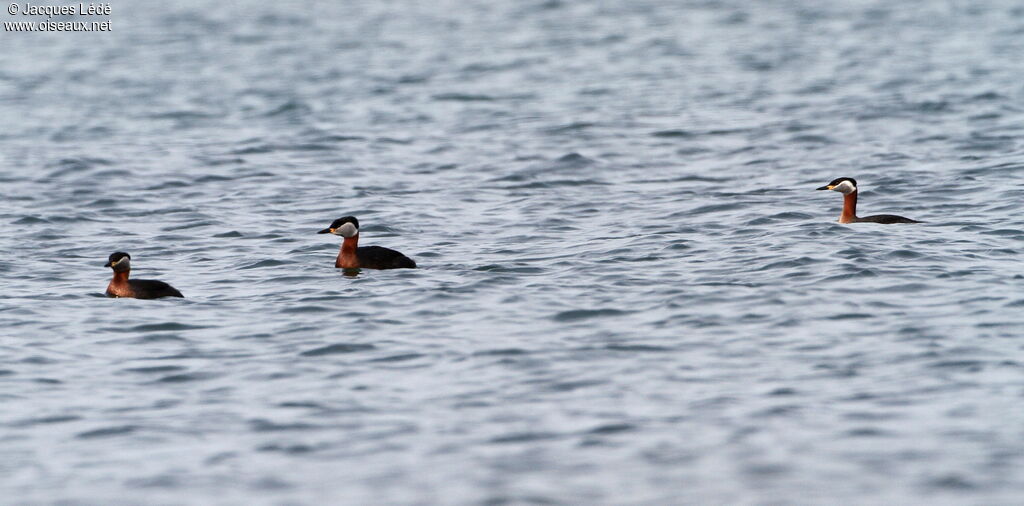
column 848, row 187
column 121, row 286
column 353, row 256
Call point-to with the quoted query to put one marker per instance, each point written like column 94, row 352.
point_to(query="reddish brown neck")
column 347, row 258
column 119, row 286
column 120, row 277
column 849, row 207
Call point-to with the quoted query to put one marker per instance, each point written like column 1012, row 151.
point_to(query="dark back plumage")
column 379, row 257
column 886, row 219
column 152, row 289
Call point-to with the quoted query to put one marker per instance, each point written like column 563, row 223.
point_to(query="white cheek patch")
column 122, row 263
column 845, row 187
column 346, row 230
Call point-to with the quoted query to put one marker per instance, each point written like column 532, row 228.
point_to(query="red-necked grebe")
column 121, row 286
column 353, row 256
column 848, row 187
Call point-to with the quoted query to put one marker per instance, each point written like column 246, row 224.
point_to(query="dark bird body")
column 121, row 286
column 353, row 256
column 379, row 257
column 848, row 187
column 885, row 219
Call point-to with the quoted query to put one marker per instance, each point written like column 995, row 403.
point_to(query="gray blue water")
column 629, row 291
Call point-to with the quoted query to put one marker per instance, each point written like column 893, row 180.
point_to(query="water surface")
column 629, row 291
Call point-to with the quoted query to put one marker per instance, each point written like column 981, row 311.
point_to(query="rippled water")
column 629, row 291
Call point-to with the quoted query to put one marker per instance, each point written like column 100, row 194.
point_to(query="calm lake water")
column 629, row 291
